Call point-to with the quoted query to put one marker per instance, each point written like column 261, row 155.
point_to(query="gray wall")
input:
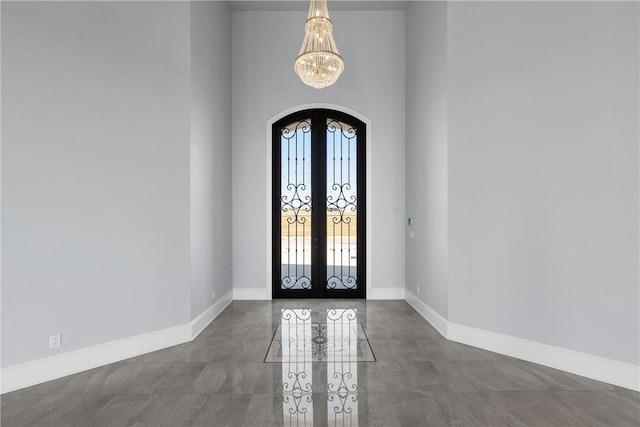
column 426, row 153
column 264, row 84
column 114, row 132
column 210, row 153
column 116, row 169
column 543, row 172
column 95, row 173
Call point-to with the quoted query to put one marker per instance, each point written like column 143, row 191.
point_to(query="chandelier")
column 319, row 63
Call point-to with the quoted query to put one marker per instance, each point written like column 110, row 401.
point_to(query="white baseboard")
column 386, row 293
column 430, row 315
column 50, row 368
column 374, row 293
column 249, row 294
column 586, row 365
column 202, row 321
column 594, row 367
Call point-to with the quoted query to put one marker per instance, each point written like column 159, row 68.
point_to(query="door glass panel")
column 295, row 205
column 342, row 206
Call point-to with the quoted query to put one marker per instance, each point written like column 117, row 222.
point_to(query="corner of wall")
column 50, row 368
column 601, row 369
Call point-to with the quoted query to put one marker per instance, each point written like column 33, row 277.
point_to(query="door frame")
column 269, row 190
column 316, row 120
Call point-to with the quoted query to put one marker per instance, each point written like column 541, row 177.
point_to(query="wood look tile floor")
column 418, row 379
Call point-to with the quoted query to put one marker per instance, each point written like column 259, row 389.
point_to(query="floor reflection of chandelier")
column 319, row 63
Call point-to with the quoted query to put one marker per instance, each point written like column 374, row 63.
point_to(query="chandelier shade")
column 319, row 63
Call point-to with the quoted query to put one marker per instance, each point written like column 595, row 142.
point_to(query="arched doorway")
column 318, row 203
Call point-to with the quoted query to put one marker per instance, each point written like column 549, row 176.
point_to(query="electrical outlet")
column 55, row 341
column 418, row 290
column 213, row 295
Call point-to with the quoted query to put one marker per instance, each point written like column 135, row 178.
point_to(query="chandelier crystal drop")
column 319, row 63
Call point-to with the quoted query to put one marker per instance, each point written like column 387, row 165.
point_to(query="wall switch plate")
column 418, row 290
column 213, row 295
column 55, row 341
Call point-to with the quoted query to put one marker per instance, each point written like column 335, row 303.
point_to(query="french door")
column 319, row 205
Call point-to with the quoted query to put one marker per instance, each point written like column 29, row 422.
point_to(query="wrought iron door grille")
column 318, row 205
column 295, row 205
column 342, row 206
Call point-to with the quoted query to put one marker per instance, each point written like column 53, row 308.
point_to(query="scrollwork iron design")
column 342, row 205
column 318, row 205
column 295, row 205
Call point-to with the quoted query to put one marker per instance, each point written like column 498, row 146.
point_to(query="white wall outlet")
column 418, row 290
column 55, row 341
column 213, row 295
